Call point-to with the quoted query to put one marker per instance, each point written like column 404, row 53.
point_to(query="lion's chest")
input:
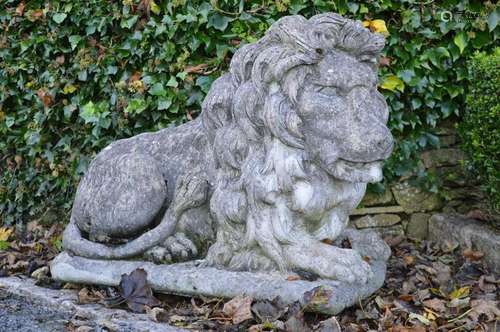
column 316, row 198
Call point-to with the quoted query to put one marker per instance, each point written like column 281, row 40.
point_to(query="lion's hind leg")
column 119, row 198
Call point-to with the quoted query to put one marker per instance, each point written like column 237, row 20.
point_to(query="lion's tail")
column 74, row 242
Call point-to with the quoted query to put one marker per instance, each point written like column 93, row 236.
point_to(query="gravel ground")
column 19, row 314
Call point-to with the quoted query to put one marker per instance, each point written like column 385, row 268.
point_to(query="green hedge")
column 76, row 75
column 480, row 128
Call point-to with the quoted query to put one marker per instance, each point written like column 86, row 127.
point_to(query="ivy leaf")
column 154, row 7
column 164, row 103
column 493, row 19
column 218, row 21
column 392, row 83
column 136, row 106
column 74, row 40
column 407, row 75
column 70, row 88
column 172, row 82
column 89, row 113
column 376, row 26
column 59, row 17
column 158, row 90
column 461, row 41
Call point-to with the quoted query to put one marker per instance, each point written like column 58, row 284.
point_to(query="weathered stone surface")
column 65, row 301
column 377, row 210
column 395, row 230
column 468, row 233
column 282, row 152
column 442, row 157
column 414, row 199
column 372, row 199
column 418, row 226
column 378, row 220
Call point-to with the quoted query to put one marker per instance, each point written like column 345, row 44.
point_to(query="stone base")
column 468, row 233
column 190, row 280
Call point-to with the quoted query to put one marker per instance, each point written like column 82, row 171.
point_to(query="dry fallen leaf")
column 472, row 254
column 5, row 233
column 198, row 69
column 489, row 308
column 86, row 295
column 239, row 309
column 413, row 316
column 40, row 273
column 435, row 304
column 20, row 9
column 269, row 311
column 135, row 290
column 157, row 314
column 460, row 293
column 384, row 61
column 409, row 260
column 329, row 325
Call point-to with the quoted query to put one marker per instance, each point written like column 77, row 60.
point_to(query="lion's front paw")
column 347, row 265
column 330, row 262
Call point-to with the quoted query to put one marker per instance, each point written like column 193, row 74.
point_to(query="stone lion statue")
column 266, row 176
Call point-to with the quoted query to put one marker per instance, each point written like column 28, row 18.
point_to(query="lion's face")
column 344, row 117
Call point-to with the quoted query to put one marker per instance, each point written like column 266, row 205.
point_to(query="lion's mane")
column 250, row 119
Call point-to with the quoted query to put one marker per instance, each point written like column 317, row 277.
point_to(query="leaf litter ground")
column 427, row 288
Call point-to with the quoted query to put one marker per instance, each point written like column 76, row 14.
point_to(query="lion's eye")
column 368, row 58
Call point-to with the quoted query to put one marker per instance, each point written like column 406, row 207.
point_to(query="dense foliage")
column 75, row 75
column 480, row 128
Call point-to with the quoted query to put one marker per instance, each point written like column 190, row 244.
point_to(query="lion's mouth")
column 356, row 171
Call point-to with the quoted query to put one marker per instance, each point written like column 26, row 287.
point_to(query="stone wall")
column 406, row 209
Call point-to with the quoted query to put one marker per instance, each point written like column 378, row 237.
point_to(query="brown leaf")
column 384, row 61
column 472, row 254
column 35, row 15
column 489, row 308
column 60, row 59
column 406, row 297
column 486, row 284
column 198, row 69
column 435, row 304
column 401, row 328
column 269, row 311
column 239, row 309
column 86, row 295
column 135, row 76
column 45, row 97
column 135, row 290
column 20, row 9
column 19, row 160
column 409, row 260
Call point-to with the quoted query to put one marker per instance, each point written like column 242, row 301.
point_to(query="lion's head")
column 310, row 88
